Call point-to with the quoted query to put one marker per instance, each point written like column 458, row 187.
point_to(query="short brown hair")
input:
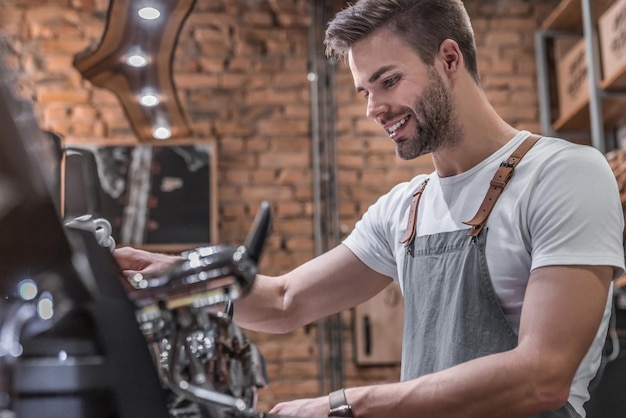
column 423, row 24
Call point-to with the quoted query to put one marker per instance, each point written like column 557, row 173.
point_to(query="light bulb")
column 28, row 289
column 149, row 13
column 149, row 100
column 162, row 133
column 137, row 61
column 45, row 308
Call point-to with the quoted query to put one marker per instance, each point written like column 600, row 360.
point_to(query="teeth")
column 397, row 126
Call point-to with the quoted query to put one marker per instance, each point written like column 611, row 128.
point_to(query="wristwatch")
column 339, row 406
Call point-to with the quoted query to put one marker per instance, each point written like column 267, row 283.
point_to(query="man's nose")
column 375, row 107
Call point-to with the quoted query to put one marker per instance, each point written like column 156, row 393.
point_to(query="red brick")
column 366, row 126
column 503, row 37
column 211, row 64
column 84, row 113
column 304, row 243
column 195, row 81
column 264, row 176
column 104, row 98
column 257, row 19
column 295, row 176
column 271, row 96
column 219, row 20
column 286, row 209
column 258, row 144
column 272, row 193
column 285, row 159
column 62, row 96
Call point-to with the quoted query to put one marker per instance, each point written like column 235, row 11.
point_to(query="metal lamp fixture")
column 134, row 61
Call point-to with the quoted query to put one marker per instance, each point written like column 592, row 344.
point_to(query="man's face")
column 404, row 95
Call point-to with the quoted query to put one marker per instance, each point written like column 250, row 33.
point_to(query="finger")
column 276, row 409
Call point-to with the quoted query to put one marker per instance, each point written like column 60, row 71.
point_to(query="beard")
column 436, row 123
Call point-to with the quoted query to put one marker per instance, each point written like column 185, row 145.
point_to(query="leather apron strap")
column 497, row 185
column 409, row 235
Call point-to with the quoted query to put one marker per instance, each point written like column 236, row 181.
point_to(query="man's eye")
column 389, row 82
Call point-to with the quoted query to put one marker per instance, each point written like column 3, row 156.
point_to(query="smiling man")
column 505, row 253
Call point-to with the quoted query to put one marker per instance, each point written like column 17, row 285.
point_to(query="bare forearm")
column 325, row 285
column 500, row 385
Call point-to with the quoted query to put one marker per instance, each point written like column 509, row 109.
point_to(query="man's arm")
column 328, row 284
column 563, row 308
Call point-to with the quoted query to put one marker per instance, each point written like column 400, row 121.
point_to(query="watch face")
column 341, row 411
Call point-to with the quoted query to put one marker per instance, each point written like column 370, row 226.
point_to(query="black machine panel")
column 69, row 341
column 79, row 340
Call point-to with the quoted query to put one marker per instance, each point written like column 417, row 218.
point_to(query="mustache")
column 397, row 115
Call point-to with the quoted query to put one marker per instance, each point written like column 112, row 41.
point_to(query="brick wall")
column 241, row 72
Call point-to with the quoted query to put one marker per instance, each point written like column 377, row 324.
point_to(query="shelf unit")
column 605, row 109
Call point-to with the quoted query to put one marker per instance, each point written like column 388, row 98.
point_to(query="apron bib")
column 452, row 313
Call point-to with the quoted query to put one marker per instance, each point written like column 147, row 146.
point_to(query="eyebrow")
column 376, row 76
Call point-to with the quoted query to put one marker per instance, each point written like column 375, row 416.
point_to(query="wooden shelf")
column 576, row 120
column 616, row 81
column 613, row 111
column 567, row 16
column 613, row 114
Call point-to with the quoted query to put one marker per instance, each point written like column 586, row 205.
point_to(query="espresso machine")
column 79, row 340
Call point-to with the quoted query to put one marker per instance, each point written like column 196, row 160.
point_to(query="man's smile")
column 394, row 129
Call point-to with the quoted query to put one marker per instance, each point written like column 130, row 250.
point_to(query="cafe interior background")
column 216, row 106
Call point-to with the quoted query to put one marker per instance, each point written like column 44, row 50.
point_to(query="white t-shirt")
column 561, row 207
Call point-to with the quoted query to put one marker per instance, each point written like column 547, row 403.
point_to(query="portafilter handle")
column 255, row 240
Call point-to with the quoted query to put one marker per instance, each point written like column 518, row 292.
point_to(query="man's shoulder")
column 552, row 150
column 406, row 189
column 556, row 144
column 397, row 199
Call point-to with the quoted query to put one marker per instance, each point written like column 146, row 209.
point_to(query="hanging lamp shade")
column 134, row 59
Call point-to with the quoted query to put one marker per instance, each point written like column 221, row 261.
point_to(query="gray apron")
column 452, row 313
column 449, row 270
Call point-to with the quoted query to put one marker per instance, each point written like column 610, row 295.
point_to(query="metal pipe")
column 543, row 77
column 545, row 115
column 331, row 199
column 593, row 71
column 313, row 77
column 326, row 212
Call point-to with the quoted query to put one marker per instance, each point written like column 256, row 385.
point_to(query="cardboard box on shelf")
column 612, row 32
column 571, row 73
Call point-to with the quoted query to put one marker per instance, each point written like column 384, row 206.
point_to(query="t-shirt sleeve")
column 374, row 235
column 575, row 214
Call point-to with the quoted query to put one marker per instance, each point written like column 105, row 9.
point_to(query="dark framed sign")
column 157, row 197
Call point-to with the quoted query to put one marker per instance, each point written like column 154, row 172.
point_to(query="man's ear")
column 452, row 58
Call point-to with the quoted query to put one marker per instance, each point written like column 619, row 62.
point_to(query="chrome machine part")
column 70, row 344
column 207, row 276
column 100, row 227
column 204, row 360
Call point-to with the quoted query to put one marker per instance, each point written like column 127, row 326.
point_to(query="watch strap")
column 338, row 405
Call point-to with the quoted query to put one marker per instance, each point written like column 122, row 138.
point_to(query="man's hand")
column 304, row 408
column 132, row 260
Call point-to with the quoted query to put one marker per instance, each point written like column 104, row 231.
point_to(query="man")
column 504, row 318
